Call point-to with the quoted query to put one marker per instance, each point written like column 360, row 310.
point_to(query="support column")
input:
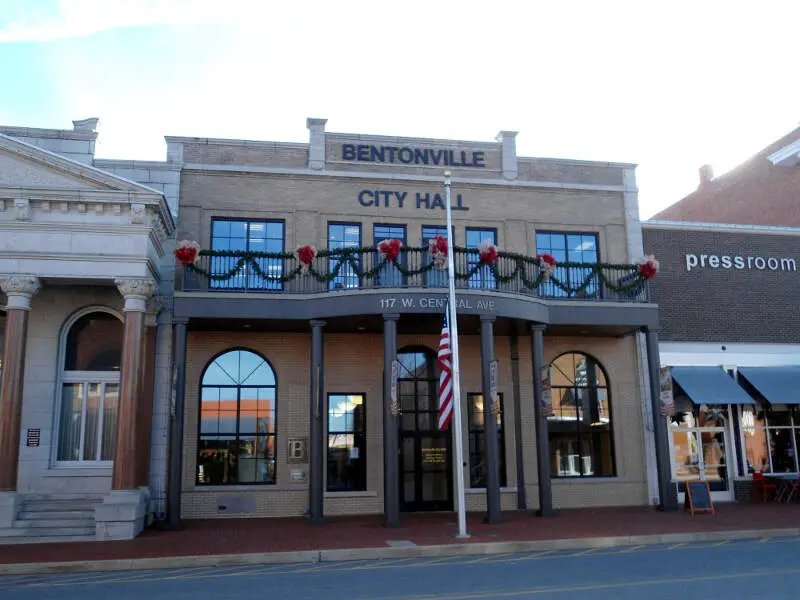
column 316, row 487
column 176, row 431
column 522, row 501
column 122, row 514
column 490, row 422
column 542, row 439
column 391, row 453
column 667, row 500
column 19, row 290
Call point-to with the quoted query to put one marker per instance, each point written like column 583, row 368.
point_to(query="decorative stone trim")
column 22, row 209
column 136, row 293
column 19, row 289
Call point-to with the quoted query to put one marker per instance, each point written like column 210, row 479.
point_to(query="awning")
column 710, row 385
column 779, row 385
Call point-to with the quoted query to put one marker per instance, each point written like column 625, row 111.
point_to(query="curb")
column 379, row 553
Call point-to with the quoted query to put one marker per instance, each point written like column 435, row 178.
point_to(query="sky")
column 669, row 86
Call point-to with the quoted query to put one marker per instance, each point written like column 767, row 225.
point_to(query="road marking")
column 675, row 546
column 585, row 552
column 634, row 549
column 722, row 543
column 578, row 588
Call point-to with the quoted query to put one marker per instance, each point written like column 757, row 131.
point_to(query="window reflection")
column 573, row 248
column 347, row 459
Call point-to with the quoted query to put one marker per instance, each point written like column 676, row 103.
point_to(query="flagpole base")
column 462, row 536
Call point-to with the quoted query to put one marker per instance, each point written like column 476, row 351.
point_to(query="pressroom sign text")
column 760, row 263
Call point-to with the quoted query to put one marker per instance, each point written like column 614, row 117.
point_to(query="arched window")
column 91, row 351
column 580, row 432
column 238, row 393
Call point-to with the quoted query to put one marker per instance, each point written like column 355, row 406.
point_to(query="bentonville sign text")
column 401, row 303
column 413, row 156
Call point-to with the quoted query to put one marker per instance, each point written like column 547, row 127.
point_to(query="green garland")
column 516, row 266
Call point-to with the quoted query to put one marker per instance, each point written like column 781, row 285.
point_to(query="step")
column 7, row 541
column 57, row 531
column 59, row 497
column 50, row 515
column 53, row 524
column 56, row 505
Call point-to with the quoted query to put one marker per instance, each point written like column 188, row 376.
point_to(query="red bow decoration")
column 187, row 252
column 390, row 249
column 488, row 252
column 305, row 254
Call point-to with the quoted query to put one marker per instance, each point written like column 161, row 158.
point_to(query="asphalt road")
column 730, row 570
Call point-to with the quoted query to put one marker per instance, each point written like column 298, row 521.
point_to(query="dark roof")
column 754, row 193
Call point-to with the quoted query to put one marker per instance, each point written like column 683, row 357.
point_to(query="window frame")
column 403, row 258
column 276, row 286
column 432, row 278
column 331, row 264
column 80, row 377
column 591, row 390
column 481, row 432
column 794, row 428
column 551, row 290
column 484, row 277
column 236, row 436
column 363, row 450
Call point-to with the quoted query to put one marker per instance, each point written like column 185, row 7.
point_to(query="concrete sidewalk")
column 279, row 541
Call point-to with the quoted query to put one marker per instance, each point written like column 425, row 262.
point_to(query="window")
column 477, row 442
column 771, row 438
column 483, row 278
column 569, row 247
column 389, row 276
column 347, row 443
column 579, row 430
column 237, row 421
column 343, row 235
column 89, row 376
column 434, row 277
column 247, row 236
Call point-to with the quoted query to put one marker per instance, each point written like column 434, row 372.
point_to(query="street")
column 736, row 569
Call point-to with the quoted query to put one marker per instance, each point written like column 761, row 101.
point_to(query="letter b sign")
column 297, row 450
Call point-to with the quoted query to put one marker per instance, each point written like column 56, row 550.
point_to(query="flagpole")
column 451, row 318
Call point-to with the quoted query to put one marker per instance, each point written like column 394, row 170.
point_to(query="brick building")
column 727, row 295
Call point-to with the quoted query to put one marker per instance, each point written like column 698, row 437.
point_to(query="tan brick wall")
column 348, row 371
column 258, row 154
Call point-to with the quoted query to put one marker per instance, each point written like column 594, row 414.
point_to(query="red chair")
column 760, row 485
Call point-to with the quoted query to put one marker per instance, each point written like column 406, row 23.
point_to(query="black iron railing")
column 367, row 270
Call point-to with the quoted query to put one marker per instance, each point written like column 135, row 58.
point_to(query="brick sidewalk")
column 244, row 536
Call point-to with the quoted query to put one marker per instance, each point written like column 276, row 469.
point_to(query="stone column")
column 316, row 487
column 176, row 431
column 667, row 500
column 136, row 293
column 19, row 290
column 490, row 423
column 391, row 453
column 542, row 438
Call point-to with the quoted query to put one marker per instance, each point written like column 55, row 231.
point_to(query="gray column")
column 176, row 431
column 522, row 501
column 667, row 500
column 316, row 487
column 391, row 454
column 490, row 423
column 542, row 439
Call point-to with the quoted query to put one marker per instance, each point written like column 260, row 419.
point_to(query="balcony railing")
column 366, row 269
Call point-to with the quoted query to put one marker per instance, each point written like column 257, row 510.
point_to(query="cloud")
column 52, row 20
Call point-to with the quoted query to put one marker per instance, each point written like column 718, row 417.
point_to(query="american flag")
column 446, row 377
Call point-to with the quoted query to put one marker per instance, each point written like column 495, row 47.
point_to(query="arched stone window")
column 236, row 444
column 580, row 429
column 91, row 352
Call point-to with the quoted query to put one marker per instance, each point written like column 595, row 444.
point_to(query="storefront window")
column 477, row 441
column 247, row 236
column 770, row 438
column 580, row 428
column 89, row 395
column 237, row 421
column 343, row 236
column 347, row 443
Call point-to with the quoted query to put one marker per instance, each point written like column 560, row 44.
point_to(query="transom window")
column 343, row 235
column 238, row 395
column 580, row 433
column 477, row 441
column 569, row 247
column 347, row 443
column 89, row 375
column 247, row 236
column 483, row 278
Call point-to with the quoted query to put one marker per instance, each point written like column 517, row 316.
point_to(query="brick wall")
column 718, row 304
column 347, row 371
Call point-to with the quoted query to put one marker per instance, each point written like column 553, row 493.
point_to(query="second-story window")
column 247, row 236
column 483, row 277
column 434, row 277
column 389, row 276
column 341, row 236
column 574, row 248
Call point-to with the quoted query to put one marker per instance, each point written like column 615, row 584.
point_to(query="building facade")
column 284, row 358
column 86, row 346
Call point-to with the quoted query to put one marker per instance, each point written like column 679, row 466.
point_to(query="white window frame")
column 85, row 377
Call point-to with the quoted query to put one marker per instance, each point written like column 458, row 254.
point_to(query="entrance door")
column 426, row 480
column 700, row 452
